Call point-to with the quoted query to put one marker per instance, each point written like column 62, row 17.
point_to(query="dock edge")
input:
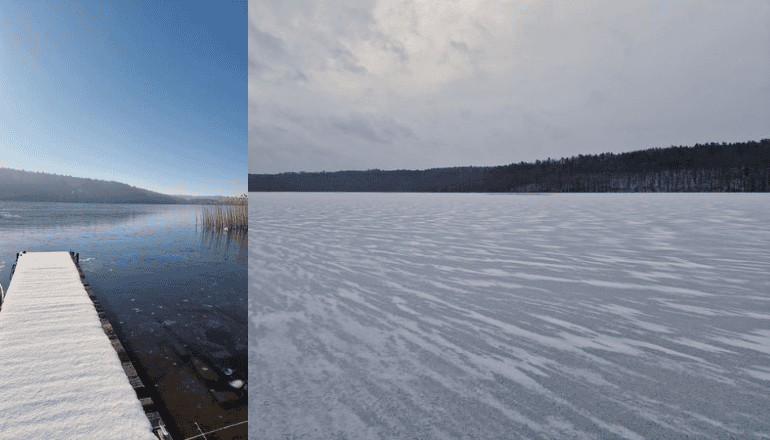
column 149, row 407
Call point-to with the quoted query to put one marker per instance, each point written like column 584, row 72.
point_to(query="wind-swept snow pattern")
column 445, row 316
column 60, row 377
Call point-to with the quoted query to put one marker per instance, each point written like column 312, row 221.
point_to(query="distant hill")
column 31, row 186
column 735, row 167
column 197, row 200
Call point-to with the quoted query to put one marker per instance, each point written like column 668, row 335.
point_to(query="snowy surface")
column 60, row 378
column 444, row 316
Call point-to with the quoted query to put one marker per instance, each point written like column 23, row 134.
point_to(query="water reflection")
column 15, row 216
column 219, row 240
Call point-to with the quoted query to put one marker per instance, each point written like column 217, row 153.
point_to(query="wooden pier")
column 63, row 372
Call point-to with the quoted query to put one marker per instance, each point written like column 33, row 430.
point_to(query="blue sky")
column 148, row 93
column 414, row 84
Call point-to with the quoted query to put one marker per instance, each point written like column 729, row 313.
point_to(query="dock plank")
column 60, row 376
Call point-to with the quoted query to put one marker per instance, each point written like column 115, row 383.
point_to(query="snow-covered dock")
column 63, row 372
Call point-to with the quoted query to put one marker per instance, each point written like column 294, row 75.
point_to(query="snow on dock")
column 60, row 377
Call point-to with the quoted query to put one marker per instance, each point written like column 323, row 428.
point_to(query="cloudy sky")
column 414, row 84
column 149, row 93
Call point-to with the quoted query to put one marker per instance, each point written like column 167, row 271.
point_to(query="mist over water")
column 438, row 316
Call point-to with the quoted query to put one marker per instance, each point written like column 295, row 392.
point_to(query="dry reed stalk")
column 235, row 216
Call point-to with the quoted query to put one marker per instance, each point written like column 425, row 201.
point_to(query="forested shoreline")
column 734, row 167
column 32, row 186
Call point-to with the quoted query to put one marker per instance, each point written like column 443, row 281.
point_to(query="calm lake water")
column 161, row 281
column 478, row 316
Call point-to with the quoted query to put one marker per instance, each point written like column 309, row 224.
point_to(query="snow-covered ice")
column 60, row 378
column 440, row 316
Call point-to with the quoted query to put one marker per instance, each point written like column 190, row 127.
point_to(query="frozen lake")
column 477, row 316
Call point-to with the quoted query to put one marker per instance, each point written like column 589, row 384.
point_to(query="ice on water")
column 442, row 316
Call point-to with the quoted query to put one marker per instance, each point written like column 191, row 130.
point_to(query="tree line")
column 32, row 186
column 713, row 167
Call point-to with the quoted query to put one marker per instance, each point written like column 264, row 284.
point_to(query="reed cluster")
column 229, row 213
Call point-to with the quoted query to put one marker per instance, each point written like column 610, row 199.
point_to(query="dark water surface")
column 468, row 316
column 172, row 291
